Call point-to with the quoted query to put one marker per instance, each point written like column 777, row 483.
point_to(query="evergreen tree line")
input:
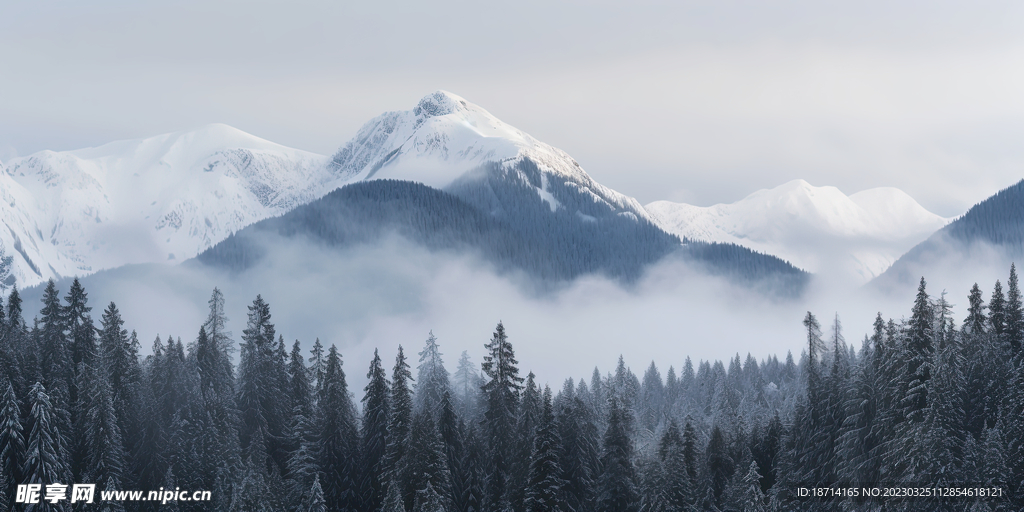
column 925, row 401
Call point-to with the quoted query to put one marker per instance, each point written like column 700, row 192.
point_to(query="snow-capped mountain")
column 164, row 198
column 445, row 136
column 168, row 198
column 819, row 229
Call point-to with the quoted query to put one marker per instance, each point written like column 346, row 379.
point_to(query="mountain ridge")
column 819, row 229
column 170, row 197
column 990, row 233
column 145, row 200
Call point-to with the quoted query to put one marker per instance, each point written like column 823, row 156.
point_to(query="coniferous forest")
column 924, row 402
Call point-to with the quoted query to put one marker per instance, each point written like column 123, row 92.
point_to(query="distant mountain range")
column 818, row 229
column 172, row 197
column 152, row 200
column 990, row 233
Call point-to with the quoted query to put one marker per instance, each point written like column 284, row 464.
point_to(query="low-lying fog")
column 395, row 293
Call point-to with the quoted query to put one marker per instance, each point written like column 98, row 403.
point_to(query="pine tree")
column 943, row 435
column 399, row 424
column 299, row 389
column 720, row 464
column 598, row 399
column 376, row 415
column 337, row 438
column 544, row 489
column 317, row 366
column 252, row 491
column 466, row 384
column 1014, row 313
column 79, row 324
column 105, row 457
column 216, row 415
column 997, row 309
column 652, row 398
column 753, row 497
column 118, row 353
column 81, row 339
column 189, row 452
column 46, row 452
column 919, row 356
column 580, row 453
column 260, row 394
column 431, row 379
column 501, row 393
column 857, row 442
column 812, row 448
column 451, row 430
column 216, row 323
column 22, row 343
column 671, row 454
column 213, row 355
column 617, row 484
column 56, row 367
column 770, row 449
column 690, row 450
column 301, row 465
column 149, row 457
column 530, row 409
column 12, row 441
column 1012, row 419
column 473, row 471
column 835, row 413
column 12, row 351
column 673, row 388
column 429, row 500
column 890, row 379
column 428, row 465
column 54, row 350
column 975, row 322
column 393, row 498
column 654, row 488
column 815, row 347
column 315, row 500
column 994, row 468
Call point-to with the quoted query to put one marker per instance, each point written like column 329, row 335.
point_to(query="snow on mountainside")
column 150, row 200
column 167, row 198
column 819, row 229
column 445, row 136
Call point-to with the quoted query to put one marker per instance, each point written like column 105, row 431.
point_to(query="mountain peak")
column 66, row 213
column 440, row 103
column 444, row 137
column 820, row 229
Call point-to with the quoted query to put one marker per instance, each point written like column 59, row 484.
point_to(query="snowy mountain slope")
column 169, row 197
column 819, row 229
column 150, row 200
column 987, row 239
column 445, row 136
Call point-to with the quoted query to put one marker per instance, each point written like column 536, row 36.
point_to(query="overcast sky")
column 701, row 102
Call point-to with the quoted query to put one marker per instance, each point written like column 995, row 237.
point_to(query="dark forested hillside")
column 996, row 224
column 548, row 246
column 738, row 262
column 929, row 407
column 503, row 220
